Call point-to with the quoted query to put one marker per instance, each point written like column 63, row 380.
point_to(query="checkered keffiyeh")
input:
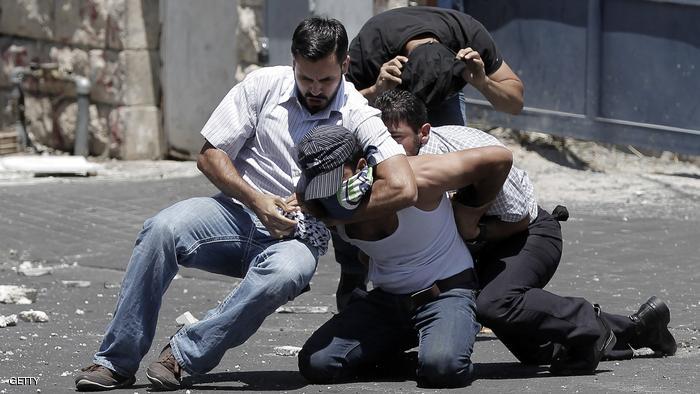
column 310, row 229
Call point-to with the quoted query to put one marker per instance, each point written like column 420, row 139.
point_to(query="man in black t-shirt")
column 431, row 52
column 384, row 50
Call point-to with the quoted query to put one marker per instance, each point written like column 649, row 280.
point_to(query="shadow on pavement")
column 516, row 370
column 249, row 380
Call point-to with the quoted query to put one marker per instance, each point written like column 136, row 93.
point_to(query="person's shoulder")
column 273, row 72
column 353, row 98
column 260, row 82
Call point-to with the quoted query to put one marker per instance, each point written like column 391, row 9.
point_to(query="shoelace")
column 170, row 363
column 91, row 368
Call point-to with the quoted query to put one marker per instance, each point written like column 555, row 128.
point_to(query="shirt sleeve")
column 373, row 132
column 482, row 42
column 233, row 121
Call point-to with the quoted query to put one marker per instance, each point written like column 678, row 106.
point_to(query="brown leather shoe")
column 99, row 378
column 165, row 374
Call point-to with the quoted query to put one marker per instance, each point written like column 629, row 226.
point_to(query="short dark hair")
column 401, row 105
column 317, row 37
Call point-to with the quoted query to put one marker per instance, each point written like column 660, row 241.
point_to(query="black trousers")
column 512, row 274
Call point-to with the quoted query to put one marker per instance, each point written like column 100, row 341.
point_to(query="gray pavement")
column 85, row 230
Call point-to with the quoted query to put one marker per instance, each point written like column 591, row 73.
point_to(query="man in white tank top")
column 421, row 270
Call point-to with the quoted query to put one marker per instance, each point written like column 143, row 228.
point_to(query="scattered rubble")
column 33, row 316
column 303, row 309
column 8, row 321
column 76, row 283
column 26, row 268
column 287, row 351
column 185, row 318
column 10, row 294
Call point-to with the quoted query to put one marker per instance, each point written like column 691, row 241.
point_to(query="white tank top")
column 424, row 248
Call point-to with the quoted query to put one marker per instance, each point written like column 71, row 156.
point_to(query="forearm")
column 505, row 96
column 218, row 168
column 480, row 171
column 370, row 93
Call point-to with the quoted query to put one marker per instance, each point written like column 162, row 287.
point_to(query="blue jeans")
column 450, row 112
column 376, row 326
column 216, row 235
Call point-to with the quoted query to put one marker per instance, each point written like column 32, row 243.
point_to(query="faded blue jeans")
column 376, row 326
column 452, row 111
column 216, row 235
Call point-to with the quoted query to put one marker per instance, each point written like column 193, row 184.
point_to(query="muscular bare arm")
column 218, row 168
column 485, row 168
column 394, row 188
column 502, row 88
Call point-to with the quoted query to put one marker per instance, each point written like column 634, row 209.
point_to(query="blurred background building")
column 618, row 71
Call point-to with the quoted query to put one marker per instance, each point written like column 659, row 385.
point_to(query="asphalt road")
column 85, row 231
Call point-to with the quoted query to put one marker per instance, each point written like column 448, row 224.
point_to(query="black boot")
column 651, row 328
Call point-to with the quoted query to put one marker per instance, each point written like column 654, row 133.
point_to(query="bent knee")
column 490, row 310
column 444, row 370
column 179, row 216
column 318, row 366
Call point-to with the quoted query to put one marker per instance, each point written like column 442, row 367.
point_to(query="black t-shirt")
column 384, row 35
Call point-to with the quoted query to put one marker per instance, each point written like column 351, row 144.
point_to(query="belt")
column 463, row 280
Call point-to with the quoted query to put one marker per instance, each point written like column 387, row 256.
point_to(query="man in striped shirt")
column 521, row 245
column 248, row 230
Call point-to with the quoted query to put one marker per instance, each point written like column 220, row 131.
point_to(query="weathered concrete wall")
column 152, row 91
column 114, row 43
column 200, row 56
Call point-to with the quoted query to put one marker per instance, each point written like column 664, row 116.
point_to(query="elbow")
column 505, row 163
column 514, row 106
column 201, row 163
column 204, row 163
column 497, row 162
column 517, row 108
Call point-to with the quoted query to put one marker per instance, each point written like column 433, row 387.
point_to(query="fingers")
column 281, row 222
column 280, row 226
column 391, row 70
column 293, row 202
column 390, row 75
column 464, row 52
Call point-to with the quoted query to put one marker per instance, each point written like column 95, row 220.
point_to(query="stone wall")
column 114, row 43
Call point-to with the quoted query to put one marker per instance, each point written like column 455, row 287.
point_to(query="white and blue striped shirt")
column 260, row 121
column 517, row 197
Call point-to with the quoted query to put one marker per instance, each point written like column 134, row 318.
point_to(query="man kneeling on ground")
column 422, row 272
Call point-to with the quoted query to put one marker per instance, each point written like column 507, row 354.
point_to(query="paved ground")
column 85, row 229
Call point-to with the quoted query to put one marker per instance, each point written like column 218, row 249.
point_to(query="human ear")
column 345, row 64
column 362, row 163
column 424, row 133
